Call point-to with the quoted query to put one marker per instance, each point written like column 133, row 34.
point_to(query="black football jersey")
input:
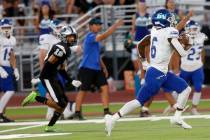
column 61, row 51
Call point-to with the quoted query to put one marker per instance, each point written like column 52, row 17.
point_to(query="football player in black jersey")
column 54, row 62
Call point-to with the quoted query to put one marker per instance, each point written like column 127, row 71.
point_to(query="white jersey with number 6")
column 193, row 60
column 6, row 46
column 160, row 49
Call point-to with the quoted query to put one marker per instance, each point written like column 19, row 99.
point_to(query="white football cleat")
column 180, row 122
column 109, row 124
column 69, row 110
column 194, row 111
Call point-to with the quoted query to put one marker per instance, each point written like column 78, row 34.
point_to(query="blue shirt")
column 142, row 23
column 91, row 53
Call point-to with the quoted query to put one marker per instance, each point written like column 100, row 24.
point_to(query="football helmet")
column 66, row 31
column 56, row 25
column 163, row 18
column 192, row 28
column 6, row 27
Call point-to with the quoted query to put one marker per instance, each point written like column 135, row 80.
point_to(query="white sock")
column 196, row 98
column 127, row 108
column 178, row 113
column 50, row 112
column 183, row 97
column 4, row 100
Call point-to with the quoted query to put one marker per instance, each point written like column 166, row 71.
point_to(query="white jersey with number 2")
column 193, row 60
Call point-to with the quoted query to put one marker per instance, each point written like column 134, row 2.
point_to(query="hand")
column 16, row 73
column 76, row 83
column 105, row 72
column 190, row 14
column 119, row 22
column 3, row 73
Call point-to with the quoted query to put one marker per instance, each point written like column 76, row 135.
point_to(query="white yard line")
column 38, row 124
column 15, row 136
column 153, row 118
column 22, row 128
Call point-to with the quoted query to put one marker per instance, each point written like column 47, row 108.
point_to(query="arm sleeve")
column 173, row 33
column 178, row 47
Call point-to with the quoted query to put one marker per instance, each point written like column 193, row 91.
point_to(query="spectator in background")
column 12, row 9
column 205, row 27
column 170, row 5
column 128, row 2
column 83, row 6
column 20, row 22
column 92, row 70
column 46, row 14
column 69, row 8
column 8, row 6
column 114, row 2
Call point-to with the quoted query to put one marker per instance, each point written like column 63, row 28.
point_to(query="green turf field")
column 134, row 130
column 151, row 129
column 90, row 110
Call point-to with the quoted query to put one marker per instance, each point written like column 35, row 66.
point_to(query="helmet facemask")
column 194, row 30
column 172, row 20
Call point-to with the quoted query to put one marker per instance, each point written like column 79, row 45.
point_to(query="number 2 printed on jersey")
column 195, row 54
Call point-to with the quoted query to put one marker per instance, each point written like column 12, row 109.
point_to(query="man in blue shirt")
column 92, row 71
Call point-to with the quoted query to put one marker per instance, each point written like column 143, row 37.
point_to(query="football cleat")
column 50, row 129
column 109, row 124
column 180, row 122
column 4, row 119
column 69, row 110
column 145, row 114
column 194, row 111
column 30, row 98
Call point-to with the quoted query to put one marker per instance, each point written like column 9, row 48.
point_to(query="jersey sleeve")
column 173, row 33
column 203, row 36
column 59, row 51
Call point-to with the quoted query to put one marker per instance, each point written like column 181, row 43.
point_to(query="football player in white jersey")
column 164, row 40
column 46, row 41
column 8, row 70
column 192, row 64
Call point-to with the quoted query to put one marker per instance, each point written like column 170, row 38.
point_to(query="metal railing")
column 113, row 45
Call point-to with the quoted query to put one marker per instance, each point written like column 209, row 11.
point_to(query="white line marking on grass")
column 15, row 136
column 22, row 128
column 102, row 120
